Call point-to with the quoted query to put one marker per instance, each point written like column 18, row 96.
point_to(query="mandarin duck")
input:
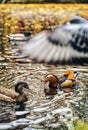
column 14, row 96
column 65, row 83
column 67, row 44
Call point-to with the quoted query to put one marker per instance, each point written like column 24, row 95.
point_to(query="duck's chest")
column 52, row 86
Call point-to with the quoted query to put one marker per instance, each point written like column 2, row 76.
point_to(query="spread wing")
column 66, row 44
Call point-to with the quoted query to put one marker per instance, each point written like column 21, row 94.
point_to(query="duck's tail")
column 76, row 73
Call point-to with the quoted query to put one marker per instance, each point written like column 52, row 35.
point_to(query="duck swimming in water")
column 66, row 82
column 67, row 44
column 14, row 96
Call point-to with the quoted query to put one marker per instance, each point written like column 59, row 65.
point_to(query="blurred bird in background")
column 67, row 44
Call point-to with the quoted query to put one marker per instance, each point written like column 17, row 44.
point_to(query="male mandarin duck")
column 66, row 82
column 14, row 96
column 68, row 43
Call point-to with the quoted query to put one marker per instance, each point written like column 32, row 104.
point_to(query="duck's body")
column 8, row 95
column 68, row 79
column 66, row 82
column 68, row 43
column 14, row 96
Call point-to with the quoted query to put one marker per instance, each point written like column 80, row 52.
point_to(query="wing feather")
column 66, row 43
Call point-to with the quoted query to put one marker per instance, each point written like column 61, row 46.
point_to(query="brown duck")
column 14, row 96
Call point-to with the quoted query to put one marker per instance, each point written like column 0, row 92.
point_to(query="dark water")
column 40, row 112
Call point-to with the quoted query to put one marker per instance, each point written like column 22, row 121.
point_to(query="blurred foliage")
column 80, row 125
column 33, row 18
column 44, row 1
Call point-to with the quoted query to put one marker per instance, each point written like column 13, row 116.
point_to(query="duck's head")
column 69, row 74
column 52, row 79
column 20, row 85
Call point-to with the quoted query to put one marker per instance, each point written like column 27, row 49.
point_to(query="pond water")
column 40, row 112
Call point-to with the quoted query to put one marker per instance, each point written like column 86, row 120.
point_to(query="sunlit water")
column 40, row 112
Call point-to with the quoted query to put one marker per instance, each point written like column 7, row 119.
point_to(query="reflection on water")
column 40, row 112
